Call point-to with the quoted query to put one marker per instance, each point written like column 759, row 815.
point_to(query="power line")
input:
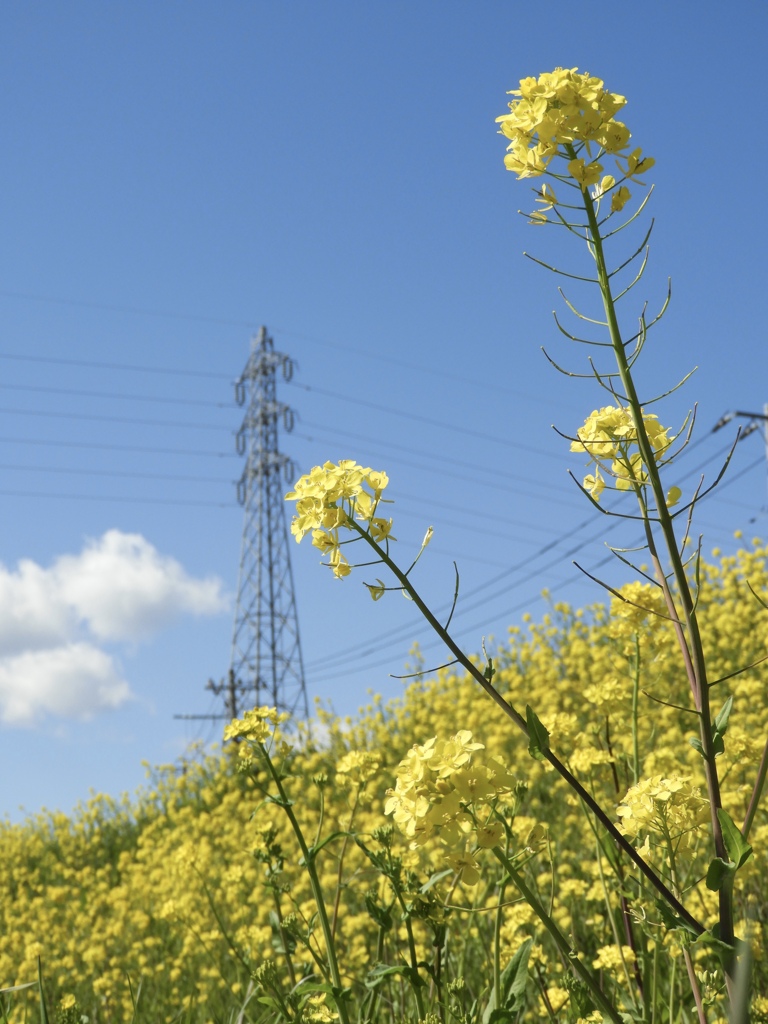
column 133, row 367
column 205, row 426
column 426, row 419
column 113, row 308
column 114, row 395
column 405, row 632
column 120, row 474
column 435, row 457
column 128, row 499
column 95, row 445
column 97, row 418
column 399, row 632
column 344, row 653
column 505, row 573
column 430, row 371
column 115, row 473
column 464, row 477
column 230, row 322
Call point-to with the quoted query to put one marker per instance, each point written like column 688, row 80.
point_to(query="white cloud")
column 124, row 589
column 119, row 588
column 32, row 615
column 72, row 681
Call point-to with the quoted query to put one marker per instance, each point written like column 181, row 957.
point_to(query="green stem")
column 569, row 953
column 693, row 981
column 614, row 927
column 339, row 874
column 317, row 892
column 497, row 943
column 414, row 979
column 635, row 712
column 284, row 939
column 756, row 793
column 693, row 649
column 518, row 719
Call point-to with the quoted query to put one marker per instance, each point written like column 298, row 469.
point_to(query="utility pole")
column 266, row 666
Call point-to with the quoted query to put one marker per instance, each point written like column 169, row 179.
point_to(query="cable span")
column 133, row 420
column 361, row 650
column 425, row 419
column 114, row 395
column 96, row 445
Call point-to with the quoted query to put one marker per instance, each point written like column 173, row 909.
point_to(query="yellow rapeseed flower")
column 609, row 438
column 669, row 807
column 561, row 113
column 329, row 498
column 613, row 958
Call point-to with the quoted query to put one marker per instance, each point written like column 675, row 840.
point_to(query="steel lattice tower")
column 266, row 665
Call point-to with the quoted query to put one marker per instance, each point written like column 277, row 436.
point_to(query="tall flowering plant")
column 564, row 134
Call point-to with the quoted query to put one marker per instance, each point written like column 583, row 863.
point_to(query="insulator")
column 723, row 420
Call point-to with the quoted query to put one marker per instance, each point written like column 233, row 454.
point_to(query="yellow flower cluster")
column 669, row 808
column 614, row 958
column 358, row 767
column 609, row 437
column 257, row 725
column 329, row 498
column 440, row 789
column 318, row 1012
column 560, row 112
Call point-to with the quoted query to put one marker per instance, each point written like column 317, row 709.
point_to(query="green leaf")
column 514, row 977
column 432, row 881
column 512, row 984
column 502, row 1016
column 538, row 737
column 314, row 850
column 671, row 920
column 723, row 949
column 377, row 858
column 318, row 986
column 721, row 722
column 44, row 1018
column 719, row 729
column 738, row 849
column 380, row 915
column 381, row 971
column 720, row 874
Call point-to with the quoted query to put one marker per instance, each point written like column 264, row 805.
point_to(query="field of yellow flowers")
column 193, row 902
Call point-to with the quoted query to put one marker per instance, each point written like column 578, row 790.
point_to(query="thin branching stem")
column 605, row 821
column 689, row 639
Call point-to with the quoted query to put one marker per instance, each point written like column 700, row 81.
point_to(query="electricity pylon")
column 266, row 666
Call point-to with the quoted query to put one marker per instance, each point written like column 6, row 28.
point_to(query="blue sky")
column 174, row 175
